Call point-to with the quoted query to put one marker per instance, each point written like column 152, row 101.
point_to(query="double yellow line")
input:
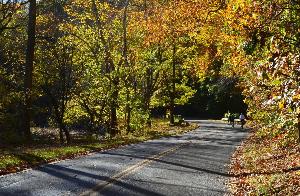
column 99, row 187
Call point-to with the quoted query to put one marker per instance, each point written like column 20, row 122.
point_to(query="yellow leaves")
column 296, row 98
column 44, row 19
column 254, row 15
column 83, row 10
column 171, row 20
column 281, row 104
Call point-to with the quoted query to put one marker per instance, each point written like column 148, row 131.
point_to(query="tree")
column 8, row 9
column 106, row 55
column 170, row 25
column 12, row 57
column 266, row 44
column 29, row 68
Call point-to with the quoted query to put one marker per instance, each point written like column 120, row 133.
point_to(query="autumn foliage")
column 104, row 65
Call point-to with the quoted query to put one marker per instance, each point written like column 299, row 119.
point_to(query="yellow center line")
column 99, row 187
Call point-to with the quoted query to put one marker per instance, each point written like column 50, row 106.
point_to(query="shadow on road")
column 73, row 176
column 178, row 164
column 204, row 152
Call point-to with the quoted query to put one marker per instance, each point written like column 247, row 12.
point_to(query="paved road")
column 191, row 164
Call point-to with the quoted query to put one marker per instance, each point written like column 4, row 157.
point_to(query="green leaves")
column 276, row 82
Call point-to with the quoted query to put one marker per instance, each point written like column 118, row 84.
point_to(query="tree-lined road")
column 190, row 164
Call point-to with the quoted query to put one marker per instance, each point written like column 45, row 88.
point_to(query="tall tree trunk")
column 113, row 115
column 147, row 109
column 113, row 129
column 29, row 69
column 147, row 95
column 172, row 97
column 128, row 115
column 125, row 58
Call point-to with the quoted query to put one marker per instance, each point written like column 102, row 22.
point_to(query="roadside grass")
column 266, row 166
column 13, row 159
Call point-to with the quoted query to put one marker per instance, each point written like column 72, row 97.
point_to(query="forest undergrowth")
column 265, row 165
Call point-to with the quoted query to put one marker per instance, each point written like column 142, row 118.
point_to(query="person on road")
column 242, row 119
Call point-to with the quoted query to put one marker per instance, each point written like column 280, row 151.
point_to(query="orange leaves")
column 176, row 18
column 199, row 22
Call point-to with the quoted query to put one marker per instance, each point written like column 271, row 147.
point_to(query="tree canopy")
column 109, row 65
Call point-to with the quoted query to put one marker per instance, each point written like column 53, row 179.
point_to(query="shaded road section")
column 191, row 164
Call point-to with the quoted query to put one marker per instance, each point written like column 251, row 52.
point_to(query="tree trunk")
column 146, row 107
column 147, row 95
column 61, row 136
column 113, row 130
column 172, row 97
column 29, row 69
column 113, row 118
column 63, row 131
column 125, row 58
column 128, row 119
column 59, row 122
column 149, row 123
column 128, row 112
column 66, row 132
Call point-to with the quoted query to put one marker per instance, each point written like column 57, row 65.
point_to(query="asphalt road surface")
column 191, row 164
